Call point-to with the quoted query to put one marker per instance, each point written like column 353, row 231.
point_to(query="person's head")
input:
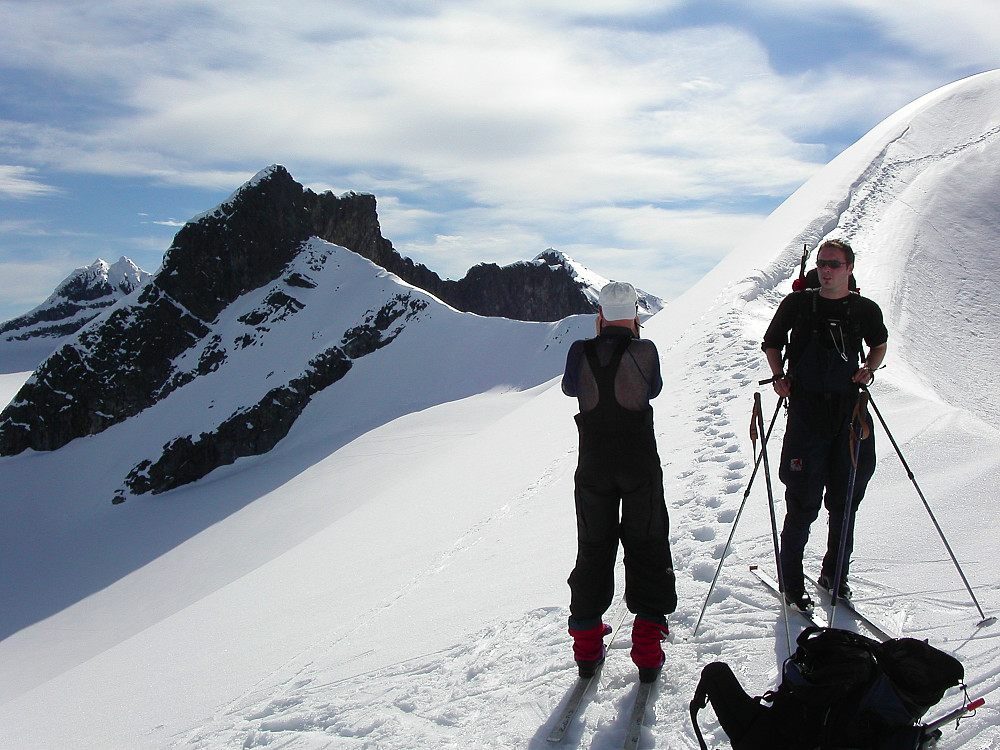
column 839, row 245
column 834, row 265
column 618, row 304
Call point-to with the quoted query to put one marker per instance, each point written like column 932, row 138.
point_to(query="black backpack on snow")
column 839, row 691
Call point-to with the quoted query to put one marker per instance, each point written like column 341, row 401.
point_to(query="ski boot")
column 647, row 653
column 801, row 601
column 826, row 582
column 588, row 647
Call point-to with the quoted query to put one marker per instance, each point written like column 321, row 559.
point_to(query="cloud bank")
column 645, row 138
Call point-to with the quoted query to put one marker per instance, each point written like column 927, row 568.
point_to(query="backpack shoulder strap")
column 855, row 323
column 698, row 702
column 605, row 374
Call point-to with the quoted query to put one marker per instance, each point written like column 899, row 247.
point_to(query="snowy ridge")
column 393, row 574
column 592, row 282
column 81, row 297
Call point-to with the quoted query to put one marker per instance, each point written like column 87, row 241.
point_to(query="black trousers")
column 619, row 497
column 815, row 469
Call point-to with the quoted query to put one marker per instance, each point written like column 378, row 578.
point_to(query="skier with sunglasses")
column 822, row 333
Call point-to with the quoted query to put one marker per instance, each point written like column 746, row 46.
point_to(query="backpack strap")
column 604, row 375
column 698, row 702
column 808, row 325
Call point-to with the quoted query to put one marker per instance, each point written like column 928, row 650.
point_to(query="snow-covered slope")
column 441, row 356
column 83, row 295
column 392, row 575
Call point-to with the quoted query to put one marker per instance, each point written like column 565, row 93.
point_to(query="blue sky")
column 642, row 138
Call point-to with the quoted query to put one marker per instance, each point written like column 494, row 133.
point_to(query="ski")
column 811, row 617
column 877, row 630
column 634, row 732
column 572, row 705
column 583, row 684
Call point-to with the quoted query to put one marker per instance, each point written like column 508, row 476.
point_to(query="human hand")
column 782, row 386
column 864, row 376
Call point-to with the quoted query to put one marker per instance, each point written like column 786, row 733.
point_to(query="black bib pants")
column 619, row 495
column 816, row 461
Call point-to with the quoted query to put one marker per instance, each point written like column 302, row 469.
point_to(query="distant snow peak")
column 126, row 275
column 590, row 282
column 101, row 278
column 83, row 295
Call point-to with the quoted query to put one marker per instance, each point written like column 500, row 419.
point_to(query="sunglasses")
column 830, row 263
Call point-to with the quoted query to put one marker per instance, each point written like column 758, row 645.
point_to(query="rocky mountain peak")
column 78, row 299
column 231, row 277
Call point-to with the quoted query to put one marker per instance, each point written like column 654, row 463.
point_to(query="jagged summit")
column 272, row 209
column 549, row 287
column 85, row 294
column 78, row 299
column 224, row 208
column 558, row 259
column 591, row 282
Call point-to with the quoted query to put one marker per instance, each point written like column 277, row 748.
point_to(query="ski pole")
column 774, row 522
column 985, row 621
column 739, row 513
column 857, row 435
column 958, row 713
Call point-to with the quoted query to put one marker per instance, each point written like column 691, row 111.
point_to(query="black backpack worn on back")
column 839, row 690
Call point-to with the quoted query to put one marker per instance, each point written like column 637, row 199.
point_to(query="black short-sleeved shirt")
column 832, row 325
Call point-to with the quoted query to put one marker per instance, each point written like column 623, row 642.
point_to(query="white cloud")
column 965, row 33
column 452, row 97
column 20, row 182
column 488, row 129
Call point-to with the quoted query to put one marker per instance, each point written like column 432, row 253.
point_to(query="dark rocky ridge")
column 123, row 363
column 521, row 291
column 257, row 428
column 277, row 214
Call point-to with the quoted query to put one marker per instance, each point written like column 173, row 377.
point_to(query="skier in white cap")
column 618, row 487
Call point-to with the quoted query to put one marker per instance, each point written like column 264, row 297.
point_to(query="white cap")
column 618, row 301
